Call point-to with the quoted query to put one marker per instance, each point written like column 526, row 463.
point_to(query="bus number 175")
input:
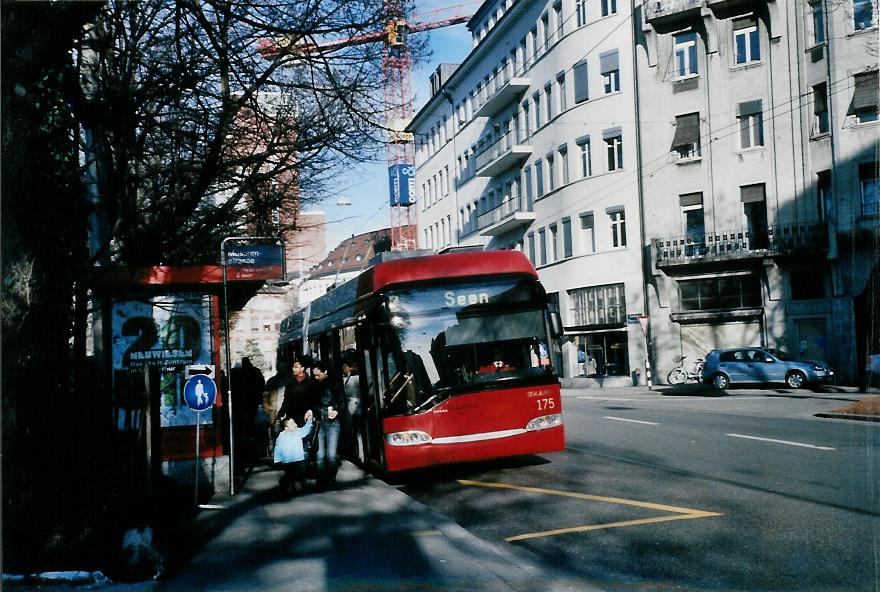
column 544, row 404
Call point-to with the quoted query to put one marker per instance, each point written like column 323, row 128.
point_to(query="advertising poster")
column 170, row 331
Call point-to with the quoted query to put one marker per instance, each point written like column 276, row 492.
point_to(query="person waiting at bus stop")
column 298, row 396
column 328, row 402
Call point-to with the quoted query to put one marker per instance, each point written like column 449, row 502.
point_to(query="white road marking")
column 801, row 444
column 630, row 420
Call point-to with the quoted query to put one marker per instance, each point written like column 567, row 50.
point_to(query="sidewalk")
column 362, row 535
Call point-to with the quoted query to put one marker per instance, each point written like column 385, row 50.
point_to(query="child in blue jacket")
column 289, row 452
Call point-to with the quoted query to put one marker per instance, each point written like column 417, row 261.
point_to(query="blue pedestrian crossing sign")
column 199, row 392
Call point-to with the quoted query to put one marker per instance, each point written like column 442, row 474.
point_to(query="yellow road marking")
column 679, row 513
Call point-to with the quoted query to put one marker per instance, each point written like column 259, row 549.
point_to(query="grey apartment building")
column 712, row 164
column 758, row 159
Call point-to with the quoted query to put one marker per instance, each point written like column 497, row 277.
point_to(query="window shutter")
column 608, row 61
column 687, row 130
column 820, row 101
column 752, row 193
column 748, row 108
column 865, row 95
column 690, row 199
column 581, row 92
column 613, row 132
column 743, row 23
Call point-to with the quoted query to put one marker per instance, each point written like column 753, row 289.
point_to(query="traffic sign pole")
column 198, row 459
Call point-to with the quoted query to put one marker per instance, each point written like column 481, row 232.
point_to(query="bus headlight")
column 544, row 422
column 409, row 438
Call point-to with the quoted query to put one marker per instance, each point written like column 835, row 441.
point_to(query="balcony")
column 785, row 240
column 510, row 215
column 729, row 8
column 667, row 16
column 503, row 89
column 503, row 154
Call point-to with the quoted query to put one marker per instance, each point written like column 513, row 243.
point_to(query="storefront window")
column 602, row 354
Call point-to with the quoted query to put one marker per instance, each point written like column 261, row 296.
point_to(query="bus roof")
column 448, row 265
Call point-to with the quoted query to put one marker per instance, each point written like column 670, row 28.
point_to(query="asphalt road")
column 747, row 492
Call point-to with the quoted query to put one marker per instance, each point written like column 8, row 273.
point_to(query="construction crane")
column 397, row 71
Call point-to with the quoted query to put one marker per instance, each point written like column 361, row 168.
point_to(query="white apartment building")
column 759, row 128
column 531, row 144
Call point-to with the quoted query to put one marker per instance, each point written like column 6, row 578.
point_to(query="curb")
column 851, row 416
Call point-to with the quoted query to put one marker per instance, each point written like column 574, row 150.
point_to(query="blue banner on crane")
column 401, row 179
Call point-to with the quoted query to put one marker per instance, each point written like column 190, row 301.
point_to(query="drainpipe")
column 643, row 240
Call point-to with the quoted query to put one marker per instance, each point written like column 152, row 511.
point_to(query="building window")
column 539, row 177
column 560, row 89
column 566, row 238
column 580, row 9
column 554, row 242
column 751, row 124
column 686, row 141
column 526, row 118
column 823, row 195
column 585, row 158
column 542, row 241
column 551, row 172
column 548, row 97
column 746, row 41
column 617, row 220
column 563, row 163
column 806, row 284
column 868, row 187
column 720, row 293
column 532, row 257
column 818, row 11
column 609, row 7
column 557, row 21
column 598, row 305
column 536, row 99
column 685, row 54
column 863, row 14
column 865, row 97
column 527, row 183
column 613, row 149
column 609, row 65
column 693, row 222
column 581, row 89
column 821, row 121
column 588, row 233
column 754, row 203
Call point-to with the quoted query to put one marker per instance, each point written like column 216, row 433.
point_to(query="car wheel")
column 677, row 376
column 720, row 381
column 795, row 380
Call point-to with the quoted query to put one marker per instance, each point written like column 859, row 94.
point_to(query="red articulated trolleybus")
column 452, row 354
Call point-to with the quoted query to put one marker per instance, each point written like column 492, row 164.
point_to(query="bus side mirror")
column 555, row 324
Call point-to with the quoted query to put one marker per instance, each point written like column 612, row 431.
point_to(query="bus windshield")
column 458, row 337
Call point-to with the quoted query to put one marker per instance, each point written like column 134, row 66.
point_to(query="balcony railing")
column 503, row 154
column 502, row 89
column 783, row 239
column 666, row 15
column 512, row 213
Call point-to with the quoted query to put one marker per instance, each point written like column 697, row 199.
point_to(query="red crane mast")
column 397, row 70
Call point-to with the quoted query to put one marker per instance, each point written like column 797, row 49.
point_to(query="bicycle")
column 680, row 374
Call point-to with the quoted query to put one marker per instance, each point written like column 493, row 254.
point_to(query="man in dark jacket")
column 328, row 406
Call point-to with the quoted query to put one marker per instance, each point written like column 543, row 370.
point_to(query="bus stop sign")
column 199, row 392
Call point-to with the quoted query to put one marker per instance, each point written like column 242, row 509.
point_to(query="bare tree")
column 184, row 134
column 199, row 136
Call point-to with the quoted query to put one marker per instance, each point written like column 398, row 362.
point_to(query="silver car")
column 744, row 365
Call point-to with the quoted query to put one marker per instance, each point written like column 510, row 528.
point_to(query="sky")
column 367, row 185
